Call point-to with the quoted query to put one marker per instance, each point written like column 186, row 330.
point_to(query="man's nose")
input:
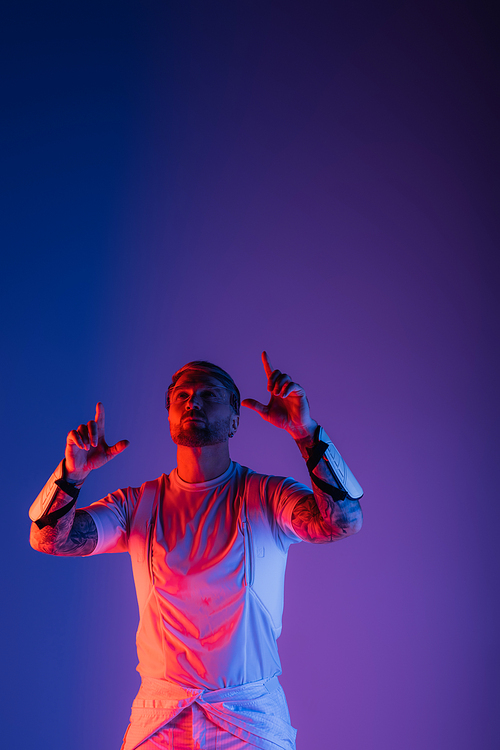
column 194, row 401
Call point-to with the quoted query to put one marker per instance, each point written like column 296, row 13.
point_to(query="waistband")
column 156, row 693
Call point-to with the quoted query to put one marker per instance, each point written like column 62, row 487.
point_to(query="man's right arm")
column 57, row 528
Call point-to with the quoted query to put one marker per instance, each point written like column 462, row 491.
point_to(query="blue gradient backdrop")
column 204, row 180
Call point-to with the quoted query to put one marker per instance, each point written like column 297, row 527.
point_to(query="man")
column 208, row 545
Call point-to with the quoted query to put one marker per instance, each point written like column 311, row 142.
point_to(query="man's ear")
column 235, row 420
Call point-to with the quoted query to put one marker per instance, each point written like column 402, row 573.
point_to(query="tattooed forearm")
column 74, row 534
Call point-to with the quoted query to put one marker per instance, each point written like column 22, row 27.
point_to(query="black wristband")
column 317, row 452
column 335, row 493
column 52, row 518
column 68, row 488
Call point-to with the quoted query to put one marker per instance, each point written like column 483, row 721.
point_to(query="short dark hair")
column 215, row 372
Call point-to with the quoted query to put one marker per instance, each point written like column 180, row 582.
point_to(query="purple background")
column 207, row 179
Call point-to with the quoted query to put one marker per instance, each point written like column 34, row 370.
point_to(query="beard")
column 194, row 436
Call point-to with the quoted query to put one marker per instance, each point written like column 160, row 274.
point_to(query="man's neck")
column 202, row 464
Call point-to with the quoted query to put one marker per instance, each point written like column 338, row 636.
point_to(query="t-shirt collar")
column 201, row 486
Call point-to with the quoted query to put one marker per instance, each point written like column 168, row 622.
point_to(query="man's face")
column 200, row 413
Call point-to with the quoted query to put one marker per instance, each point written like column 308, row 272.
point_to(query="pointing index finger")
column 267, row 364
column 99, row 418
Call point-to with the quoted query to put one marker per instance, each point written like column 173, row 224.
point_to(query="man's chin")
column 193, row 435
column 196, row 437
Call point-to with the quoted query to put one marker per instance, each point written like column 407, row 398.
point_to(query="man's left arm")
column 333, row 511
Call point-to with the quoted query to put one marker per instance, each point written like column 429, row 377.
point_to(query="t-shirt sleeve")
column 316, row 518
column 111, row 516
column 283, row 493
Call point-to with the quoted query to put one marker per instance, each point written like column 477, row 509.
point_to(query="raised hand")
column 288, row 407
column 86, row 448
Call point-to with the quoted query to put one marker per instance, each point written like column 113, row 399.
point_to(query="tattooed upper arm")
column 82, row 539
column 74, row 534
column 308, row 522
column 337, row 520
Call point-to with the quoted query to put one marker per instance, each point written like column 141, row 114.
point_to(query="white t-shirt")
column 215, row 555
